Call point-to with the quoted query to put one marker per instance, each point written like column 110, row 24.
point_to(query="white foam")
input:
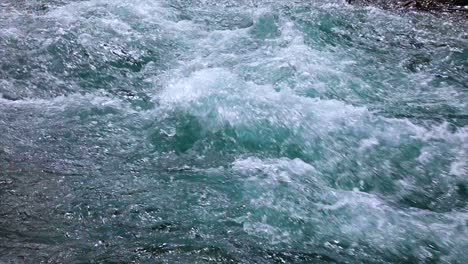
column 280, row 170
column 459, row 168
column 368, row 143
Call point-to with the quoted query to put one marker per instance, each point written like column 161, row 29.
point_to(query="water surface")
column 153, row 131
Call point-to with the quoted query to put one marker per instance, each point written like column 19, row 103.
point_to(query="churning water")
column 217, row 131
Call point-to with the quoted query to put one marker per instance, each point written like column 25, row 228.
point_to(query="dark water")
column 189, row 131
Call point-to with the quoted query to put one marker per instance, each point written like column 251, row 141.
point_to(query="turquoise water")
column 153, row 131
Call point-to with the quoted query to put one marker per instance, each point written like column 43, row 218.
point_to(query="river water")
column 216, row 131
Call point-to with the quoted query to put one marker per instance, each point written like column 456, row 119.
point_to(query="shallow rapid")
column 217, row 131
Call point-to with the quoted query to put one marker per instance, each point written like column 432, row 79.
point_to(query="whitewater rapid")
column 233, row 132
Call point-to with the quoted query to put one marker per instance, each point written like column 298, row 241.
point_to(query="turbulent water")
column 216, row 131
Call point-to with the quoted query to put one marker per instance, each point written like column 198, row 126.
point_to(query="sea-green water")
column 216, row 131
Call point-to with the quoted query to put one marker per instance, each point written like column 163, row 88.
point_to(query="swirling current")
column 232, row 131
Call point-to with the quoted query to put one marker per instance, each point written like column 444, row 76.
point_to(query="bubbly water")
column 217, row 131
